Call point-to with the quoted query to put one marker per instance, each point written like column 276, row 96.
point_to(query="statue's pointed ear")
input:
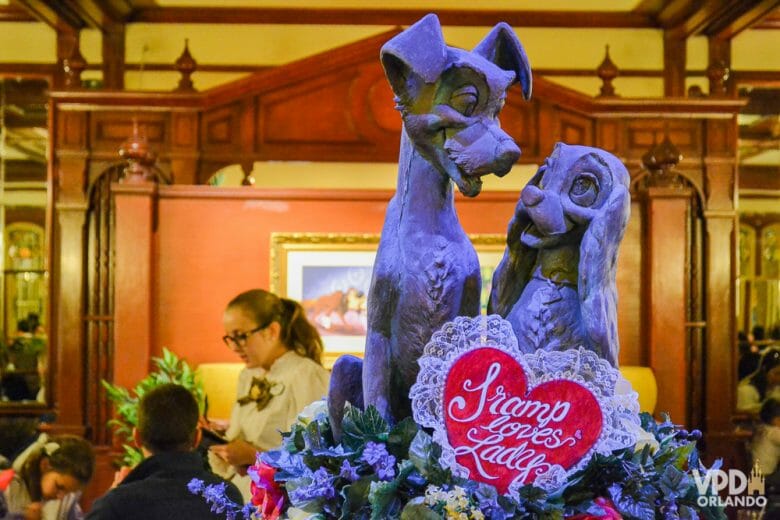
column 502, row 47
column 415, row 57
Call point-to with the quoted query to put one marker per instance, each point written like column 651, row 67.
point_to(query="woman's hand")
column 120, row 475
column 237, row 453
column 33, row 511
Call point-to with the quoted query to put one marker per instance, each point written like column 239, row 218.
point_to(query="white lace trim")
column 619, row 404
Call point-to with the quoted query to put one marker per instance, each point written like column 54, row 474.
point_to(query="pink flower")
column 610, row 513
column 266, row 493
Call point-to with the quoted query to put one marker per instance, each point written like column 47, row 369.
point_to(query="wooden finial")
column 140, row 158
column 607, row 71
column 660, row 161
column 73, row 66
column 186, row 65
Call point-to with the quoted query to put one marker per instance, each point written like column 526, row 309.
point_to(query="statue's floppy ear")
column 414, row 57
column 502, row 47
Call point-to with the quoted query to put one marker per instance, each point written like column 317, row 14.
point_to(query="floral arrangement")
column 379, row 471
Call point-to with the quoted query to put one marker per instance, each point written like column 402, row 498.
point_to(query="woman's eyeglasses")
column 239, row 340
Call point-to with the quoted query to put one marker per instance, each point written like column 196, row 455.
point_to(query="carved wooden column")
column 114, row 56
column 67, row 41
column 135, row 199
column 70, row 206
column 667, row 206
column 718, row 70
column 720, row 250
column 674, row 65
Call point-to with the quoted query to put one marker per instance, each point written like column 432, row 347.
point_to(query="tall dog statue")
column 426, row 270
column 556, row 281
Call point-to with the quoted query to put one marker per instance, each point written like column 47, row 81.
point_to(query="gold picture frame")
column 330, row 274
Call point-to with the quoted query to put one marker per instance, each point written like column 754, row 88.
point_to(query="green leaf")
column 417, row 511
column 673, row 482
column 360, row 427
column 355, row 497
column 168, row 369
column 401, row 436
column 383, row 496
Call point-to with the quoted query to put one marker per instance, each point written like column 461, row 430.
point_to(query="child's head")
column 64, row 464
column 167, row 419
column 770, row 412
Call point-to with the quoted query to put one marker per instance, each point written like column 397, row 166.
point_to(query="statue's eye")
column 584, row 190
column 464, row 100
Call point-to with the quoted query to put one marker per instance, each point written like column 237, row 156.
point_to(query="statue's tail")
column 346, row 385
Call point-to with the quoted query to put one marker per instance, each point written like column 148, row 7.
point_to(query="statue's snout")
column 531, row 196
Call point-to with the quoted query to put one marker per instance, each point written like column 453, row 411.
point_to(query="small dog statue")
column 426, row 270
column 556, row 281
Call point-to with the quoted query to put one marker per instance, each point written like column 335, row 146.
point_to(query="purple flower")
column 374, row 452
column 380, row 460
column 195, row 486
column 385, row 468
column 321, row 486
column 348, row 471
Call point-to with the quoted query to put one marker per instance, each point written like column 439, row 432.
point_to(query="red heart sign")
column 500, row 431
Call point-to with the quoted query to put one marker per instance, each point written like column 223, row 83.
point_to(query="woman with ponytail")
column 284, row 373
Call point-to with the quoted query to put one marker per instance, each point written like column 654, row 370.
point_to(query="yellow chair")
column 220, row 382
column 643, row 382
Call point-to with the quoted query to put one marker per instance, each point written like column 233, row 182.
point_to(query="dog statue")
column 426, row 271
column 556, row 281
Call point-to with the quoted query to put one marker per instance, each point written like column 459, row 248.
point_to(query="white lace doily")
column 620, row 410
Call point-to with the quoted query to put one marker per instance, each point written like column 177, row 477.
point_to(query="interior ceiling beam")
column 454, row 17
column 79, row 14
column 15, row 13
column 53, row 13
column 722, row 19
column 753, row 13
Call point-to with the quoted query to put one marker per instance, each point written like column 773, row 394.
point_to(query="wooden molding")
column 454, row 17
column 14, row 13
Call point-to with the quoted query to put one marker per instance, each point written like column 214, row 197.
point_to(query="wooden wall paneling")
column 109, row 129
column 609, row 134
column 574, row 128
column 220, row 131
column 315, row 119
column 67, row 356
column 133, row 281
column 549, row 130
column 665, row 248
column 184, row 154
column 629, row 281
column 520, row 119
column 643, row 134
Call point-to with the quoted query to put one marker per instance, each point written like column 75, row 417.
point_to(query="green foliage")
column 645, row 483
column 168, row 369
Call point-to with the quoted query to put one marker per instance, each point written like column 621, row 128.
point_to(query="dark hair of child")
column 168, row 419
column 73, row 456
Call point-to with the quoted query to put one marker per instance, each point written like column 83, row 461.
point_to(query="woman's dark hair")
column 168, row 419
column 297, row 334
column 67, row 454
column 769, row 410
column 769, row 360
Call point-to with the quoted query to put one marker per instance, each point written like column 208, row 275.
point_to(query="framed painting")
column 330, row 274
